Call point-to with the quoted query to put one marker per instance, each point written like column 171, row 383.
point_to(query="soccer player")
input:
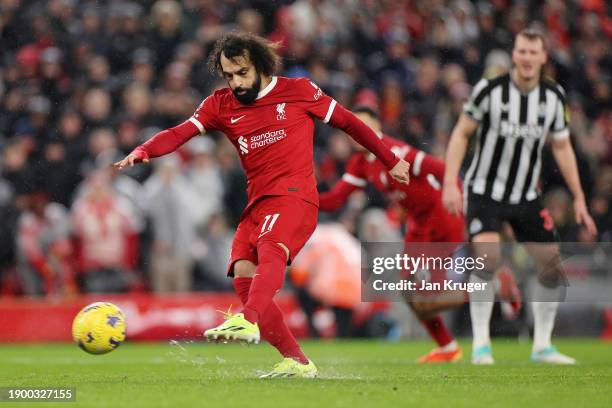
column 428, row 221
column 269, row 119
column 513, row 113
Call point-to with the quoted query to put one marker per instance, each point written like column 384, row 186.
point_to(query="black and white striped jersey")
column 513, row 128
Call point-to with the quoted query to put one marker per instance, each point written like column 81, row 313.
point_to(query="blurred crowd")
column 84, row 82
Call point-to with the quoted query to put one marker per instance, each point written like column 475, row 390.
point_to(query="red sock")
column 267, row 281
column 437, row 330
column 272, row 325
column 242, row 287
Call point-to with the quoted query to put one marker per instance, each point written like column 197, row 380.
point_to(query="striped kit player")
column 504, row 172
column 514, row 125
column 511, row 116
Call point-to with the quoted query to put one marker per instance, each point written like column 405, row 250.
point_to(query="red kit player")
column 428, row 221
column 270, row 121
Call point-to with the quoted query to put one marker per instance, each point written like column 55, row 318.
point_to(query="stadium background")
column 83, row 82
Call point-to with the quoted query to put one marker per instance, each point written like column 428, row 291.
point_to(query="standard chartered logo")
column 243, row 144
column 249, row 143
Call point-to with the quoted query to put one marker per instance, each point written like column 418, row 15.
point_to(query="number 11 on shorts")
column 268, row 224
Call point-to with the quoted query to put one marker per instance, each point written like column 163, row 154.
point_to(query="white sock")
column 544, row 313
column 481, row 306
column 452, row 346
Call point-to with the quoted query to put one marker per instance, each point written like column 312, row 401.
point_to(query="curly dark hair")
column 258, row 50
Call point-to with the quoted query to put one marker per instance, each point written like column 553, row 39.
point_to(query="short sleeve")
column 316, row 102
column 205, row 116
column 560, row 124
column 477, row 105
column 354, row 173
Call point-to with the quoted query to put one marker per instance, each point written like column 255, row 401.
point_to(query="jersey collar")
column 267, row 89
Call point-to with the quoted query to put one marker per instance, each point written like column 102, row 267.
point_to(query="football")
column 99, row 328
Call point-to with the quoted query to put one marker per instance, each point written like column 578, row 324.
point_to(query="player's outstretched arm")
column 455, row 153
column 566, row 160
column 345, row 120
column 162, row 143
column 338, row 195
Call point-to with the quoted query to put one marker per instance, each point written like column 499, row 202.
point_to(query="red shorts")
column 436, row 226
column 280, row 219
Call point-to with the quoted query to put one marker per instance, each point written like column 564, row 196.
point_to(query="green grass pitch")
column 352, row 374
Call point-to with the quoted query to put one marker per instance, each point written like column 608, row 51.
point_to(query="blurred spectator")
column 89, row 27
column 377, row 227
column 34, row 127
column 212, row 250
column 106, row 237
column 57, row 172
column 55, row 84
column 142, row 70
column 100, row 140
column 251, row 21
column 426, row 97
column 8, row 231
column 124, row 186
column 8, row 215
column 327, row 272
column 601, row 203
column 171, row 205
column 44, row 252
column 166, row 34
column 327, row 277
column 70, row 132
column 234, row 180
column 97, row 105
column 205, row 177
column 137, row 103
column 125, row 33
column 175, row 99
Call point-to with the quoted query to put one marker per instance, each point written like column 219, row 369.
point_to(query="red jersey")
column 419, row 196
column 273, row 136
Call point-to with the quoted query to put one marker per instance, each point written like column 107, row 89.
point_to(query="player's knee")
column 548, row 263
column 244, row 269
column 490, row 265
column 551, row 274
column 272, row 252
column 272, row 262
column 423, row 310
column 486, row 249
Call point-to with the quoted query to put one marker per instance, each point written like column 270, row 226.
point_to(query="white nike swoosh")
column 234, row 120
column 264, row 233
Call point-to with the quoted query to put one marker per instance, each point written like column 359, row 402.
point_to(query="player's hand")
column 452, row 199
column 401, row 172
column 137, row 156
column 583, row 217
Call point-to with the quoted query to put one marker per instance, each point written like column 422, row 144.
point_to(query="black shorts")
column 529, row 220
